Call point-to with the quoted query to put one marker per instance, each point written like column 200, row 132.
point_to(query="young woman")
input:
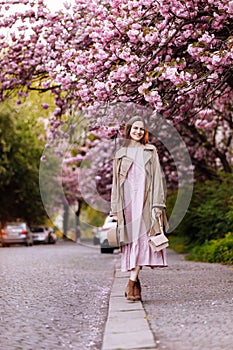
column 137, row 200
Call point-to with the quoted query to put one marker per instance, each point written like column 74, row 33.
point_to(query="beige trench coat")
column 154, row 195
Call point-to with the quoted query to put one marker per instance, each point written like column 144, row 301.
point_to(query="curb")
column 88, row 245
column 127, row 326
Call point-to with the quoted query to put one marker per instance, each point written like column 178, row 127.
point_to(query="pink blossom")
column 45, row 105
column 230, row 8
column 216, row 60
column 144, row 87
column 175, row 56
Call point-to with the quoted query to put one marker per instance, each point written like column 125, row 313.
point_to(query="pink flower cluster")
column 109, row 50
column 174, row 56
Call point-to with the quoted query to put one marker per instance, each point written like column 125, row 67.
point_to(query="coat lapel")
column 148, row 153
column 147, row 156
column 122, row 152
column 124, row 164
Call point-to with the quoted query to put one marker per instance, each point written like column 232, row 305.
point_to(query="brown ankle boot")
column 129, row 291
column 137, row 290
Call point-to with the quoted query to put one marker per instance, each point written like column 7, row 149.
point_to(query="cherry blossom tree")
column 69, row 174
column 71, row 195
column 170, row 55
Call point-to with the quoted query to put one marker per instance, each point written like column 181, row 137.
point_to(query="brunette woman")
column 137, row 199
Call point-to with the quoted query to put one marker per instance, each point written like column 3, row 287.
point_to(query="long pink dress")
column 137, row 252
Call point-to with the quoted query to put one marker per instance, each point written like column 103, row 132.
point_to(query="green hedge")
column 206, row 230
column 210, row 214
column 215, row 251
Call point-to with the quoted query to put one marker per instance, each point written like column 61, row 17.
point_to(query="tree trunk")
column 77, row 221
column 65, row 220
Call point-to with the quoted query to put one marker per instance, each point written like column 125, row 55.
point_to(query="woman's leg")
column 134, row 273
column 137, row 286
column 133, row 285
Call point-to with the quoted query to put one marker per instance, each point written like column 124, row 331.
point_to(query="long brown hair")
column 128, row 127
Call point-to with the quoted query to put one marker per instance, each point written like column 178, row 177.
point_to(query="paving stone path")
column 189, row 305
column 53, row 297
column 57, row 297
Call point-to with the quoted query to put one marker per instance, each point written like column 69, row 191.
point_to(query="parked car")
column 104, row 246
column 43, row 234
column 16, row 233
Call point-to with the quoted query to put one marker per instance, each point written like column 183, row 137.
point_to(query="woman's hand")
column 115, row 218
column 156, row 213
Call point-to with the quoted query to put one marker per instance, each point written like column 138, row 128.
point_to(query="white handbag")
column 158, row 241
column 113, row 237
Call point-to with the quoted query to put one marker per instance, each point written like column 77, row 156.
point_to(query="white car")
column 108, row 224
column 43, row 234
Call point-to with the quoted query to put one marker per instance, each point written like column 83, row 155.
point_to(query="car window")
column 37, row 229
column 16, row 225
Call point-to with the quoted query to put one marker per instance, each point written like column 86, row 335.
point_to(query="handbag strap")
column 160, row 225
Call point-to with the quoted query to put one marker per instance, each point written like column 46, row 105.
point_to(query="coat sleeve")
column 114, row 192
column 158, row 195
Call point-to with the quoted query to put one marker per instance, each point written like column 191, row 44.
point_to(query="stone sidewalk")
column 54, row 297
column 187, row 306
column 127, row 326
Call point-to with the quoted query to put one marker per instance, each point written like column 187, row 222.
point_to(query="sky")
column 57, row 4
column 53, row 5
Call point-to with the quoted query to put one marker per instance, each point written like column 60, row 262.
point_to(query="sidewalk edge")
column 127, row 326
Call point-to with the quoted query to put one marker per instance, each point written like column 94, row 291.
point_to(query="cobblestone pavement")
column 54, row 297
column 189, row 305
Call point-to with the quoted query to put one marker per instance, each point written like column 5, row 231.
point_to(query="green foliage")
column 20, row 152
column 179, row 244
column 210, row 214
column 94, row 217
column 219, row 251
column 206, row 230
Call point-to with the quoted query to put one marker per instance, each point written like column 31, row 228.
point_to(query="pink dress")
column 138, row 251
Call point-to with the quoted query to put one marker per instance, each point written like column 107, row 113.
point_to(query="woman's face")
column 137, row 131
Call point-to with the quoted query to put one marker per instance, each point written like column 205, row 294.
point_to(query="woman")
column 137, row 200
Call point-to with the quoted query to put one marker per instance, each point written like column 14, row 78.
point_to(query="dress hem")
column 151, row 266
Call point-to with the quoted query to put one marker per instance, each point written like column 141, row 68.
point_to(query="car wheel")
column 104, row 250
column 51, row 240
